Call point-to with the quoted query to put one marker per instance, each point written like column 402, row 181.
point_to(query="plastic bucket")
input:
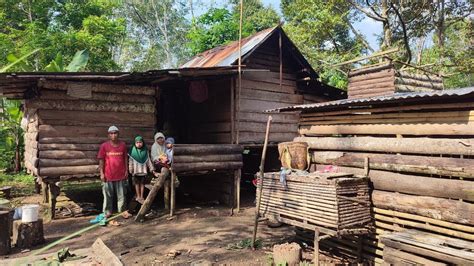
column 29, row 213
column 5, row 204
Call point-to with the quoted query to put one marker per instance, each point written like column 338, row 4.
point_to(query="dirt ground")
column 201, row 235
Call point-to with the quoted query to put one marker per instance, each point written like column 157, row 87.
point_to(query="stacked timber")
column 206, row 157
column 72, row 120
column 421, row 160
column 339, row 204
column 385, row 79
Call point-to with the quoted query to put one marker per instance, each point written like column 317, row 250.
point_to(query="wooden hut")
column 200, row 103
column 420, row 148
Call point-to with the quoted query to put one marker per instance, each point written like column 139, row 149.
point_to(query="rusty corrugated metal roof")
column 227, row 55
column 396, row 97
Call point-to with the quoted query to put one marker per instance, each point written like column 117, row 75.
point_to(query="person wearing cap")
column 113, row 165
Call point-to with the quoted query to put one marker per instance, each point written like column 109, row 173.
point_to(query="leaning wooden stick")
column 260, row 184
column 151, row 196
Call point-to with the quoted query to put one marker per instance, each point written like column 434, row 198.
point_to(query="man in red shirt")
column 114, row 172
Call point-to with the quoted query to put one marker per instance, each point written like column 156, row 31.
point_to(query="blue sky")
column 368, row 27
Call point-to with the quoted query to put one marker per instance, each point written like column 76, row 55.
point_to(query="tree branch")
column 366, row 12
column 404, row 29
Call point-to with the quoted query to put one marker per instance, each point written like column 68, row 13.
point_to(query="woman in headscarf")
column 158, row 148
column 139, row 165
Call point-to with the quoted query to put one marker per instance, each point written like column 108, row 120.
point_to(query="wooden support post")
column 316, row 247
column 167, row 192
column 173, row 193
column 54, row 191
column 151, row 196
column 45, row 191
column 6, row 220
column 359, row 249
column 366, row 166
column 237, row 189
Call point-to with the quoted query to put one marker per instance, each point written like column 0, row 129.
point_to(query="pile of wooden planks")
column 421, row 157
column 385, row 79
column 416, row 247
column 64, row 131
column 338, row 202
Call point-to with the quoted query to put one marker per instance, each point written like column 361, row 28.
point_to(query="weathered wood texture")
column 6, row 223
column 452, row 251
column 28, row 235
column 68, row 128
column 420, row 164
column 338, row 201
column 385, row 80
column 207, row 157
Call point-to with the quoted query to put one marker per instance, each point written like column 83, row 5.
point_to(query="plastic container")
column 29, row 213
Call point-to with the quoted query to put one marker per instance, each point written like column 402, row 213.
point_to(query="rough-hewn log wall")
column 68, row 130
column 384, row 79
column 421, row 157
column 373, row 81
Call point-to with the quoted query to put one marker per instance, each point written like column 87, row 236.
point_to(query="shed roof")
column 17, row 84
column 228, row 55
column 377, row 100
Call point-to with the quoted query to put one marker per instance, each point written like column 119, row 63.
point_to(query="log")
column 459, row 146
column 373, row 71
column 69, row 170
column 394, row 256
column 97, row 96
column 97, row 87
column 374, row 81
column 209, row 166
column 400, row 163
column 151, row 196
column 189, row 149
column 95, row 106
column 97, row 117
column 6, row 220
column 382, row 86
column 422, row 77
column 409, row 184
column 418, row 83
column 66, row 162
column 408, row 88
column 208, row 158
column 436, row 208
column 68, row 154
column 135, row 125
column 28, row 235
column 79, row 147
column 73, row 140
column 418, row 129
column 91, row 131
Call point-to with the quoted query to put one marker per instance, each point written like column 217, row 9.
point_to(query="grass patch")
column 244, row 244
column 22, row 183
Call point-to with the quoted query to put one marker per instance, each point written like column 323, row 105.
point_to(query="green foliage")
column 245, row 243
column 219, row 26
column 78, row 63
column 59, row 27
column 11, row 133
column 321, row 29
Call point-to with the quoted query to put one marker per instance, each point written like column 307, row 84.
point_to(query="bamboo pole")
column 260, row 185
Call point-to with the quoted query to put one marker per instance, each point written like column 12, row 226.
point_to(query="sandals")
column 114, row 223
column 126, row 215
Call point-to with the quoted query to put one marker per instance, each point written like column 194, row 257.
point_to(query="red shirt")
column 115, row 159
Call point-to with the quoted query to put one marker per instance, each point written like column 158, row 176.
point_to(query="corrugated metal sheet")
column 396, row 97
column 227, row 55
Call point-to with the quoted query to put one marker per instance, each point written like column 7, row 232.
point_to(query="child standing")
column 139, row 166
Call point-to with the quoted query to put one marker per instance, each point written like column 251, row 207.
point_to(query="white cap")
column 113, row 129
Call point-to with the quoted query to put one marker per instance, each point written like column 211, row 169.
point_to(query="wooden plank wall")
column 70, row 129
column 31, row 142
column 372, row 81
column 210, row 121
column 421, row 159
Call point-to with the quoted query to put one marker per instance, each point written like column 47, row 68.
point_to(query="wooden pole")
column 260, row 185
column 237, row 173
column 173, row 193
column 240, row 73
column 316, row 247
